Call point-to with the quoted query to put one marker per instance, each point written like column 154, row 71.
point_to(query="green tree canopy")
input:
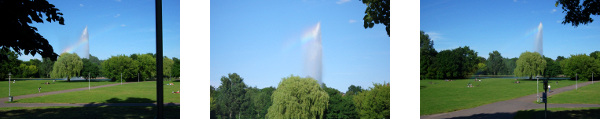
column 28, row 71
column 580, row 64
column 168, row 67
column 232, row 94
column 427, row 56
column 552, row 68
column 340, row 107
column 147, row 66
column 68, row 65
column 175, row 68
column 377, row 12
column 90, row 69
column 45, row 68
column 530, row 64
column 374, row 103
column 456, row 63
column 114, row 66
column 495, row 63
column 353, row 90
column 298, row 97
column 16, row 31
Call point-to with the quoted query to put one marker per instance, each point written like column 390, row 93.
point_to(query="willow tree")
column 297, row 97
column 67, row 65
column 530, row 64
column 374, row 103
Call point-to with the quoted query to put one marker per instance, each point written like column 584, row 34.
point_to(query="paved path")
column 508, row 108
column 72, row 104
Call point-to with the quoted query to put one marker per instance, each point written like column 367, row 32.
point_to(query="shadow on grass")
column 566, row 114
column 130, row 100
column 488, row 116
column 171, row 112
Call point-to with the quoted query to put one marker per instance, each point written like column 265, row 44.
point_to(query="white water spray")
column 313, row 62
column 85, row 36
column 539, row 41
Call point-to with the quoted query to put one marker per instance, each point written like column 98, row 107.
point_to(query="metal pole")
column 576, row 81
column 121, row 78
column 159, row 60
column 538, row 88
column 9, row 84
column 89, row 84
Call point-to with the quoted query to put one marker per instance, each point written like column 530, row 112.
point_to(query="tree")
column 511, row 64
column 353, row 90
column 495, row 63
column 147, row 66
column 340, row 107
column 232, row 92
column 530, row 64
column 115, row 66
column 595, row 54
column 578, row 13
column 427, row 56
column 377, row 12
column 582, row 65
column 552, row 68
column 456, row 63
column 46, row 67
column 374, row 103
column 17, row 32
column 297, row 97
column 28, row 70
column 175, row 68
column 167, row 67
column 89, row 68
column 67, row 65
column 9, row 65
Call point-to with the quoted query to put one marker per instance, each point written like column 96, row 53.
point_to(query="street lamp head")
column 9, row 74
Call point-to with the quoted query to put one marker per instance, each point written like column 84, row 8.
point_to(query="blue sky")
column 114, row 27
column 505, row 26
column 260, row 40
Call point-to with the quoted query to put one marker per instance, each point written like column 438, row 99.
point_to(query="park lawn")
column 446, row 96
column 583, row 95
column 560, row 113
column 105, row 112
column 25, row 87
column 142, row 92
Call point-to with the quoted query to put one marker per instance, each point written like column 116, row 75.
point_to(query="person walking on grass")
column 39, row 89
column 549, row 90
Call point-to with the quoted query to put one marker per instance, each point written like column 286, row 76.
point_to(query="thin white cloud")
column 117, row 15
column 514, row 0
column 352, row 21
column 553, row 10
column 435, row 36
column 558, row 21
column 342, row 1
column 118, row 0
column 123, row 25
column 80, row 5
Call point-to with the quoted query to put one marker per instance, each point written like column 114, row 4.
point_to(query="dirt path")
column 508, row 108
column 74, row 104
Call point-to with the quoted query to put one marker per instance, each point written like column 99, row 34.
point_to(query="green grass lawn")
column 103, row 112
column 560, row 113
column 143, row 92
column 31, row 86
column 446, row 96
column 589, row 94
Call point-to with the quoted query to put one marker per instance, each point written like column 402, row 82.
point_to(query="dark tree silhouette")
column 377, row 12
column 579, row 13
column 16, row 32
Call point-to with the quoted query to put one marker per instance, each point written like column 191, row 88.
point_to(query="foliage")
column 120, row 65
column 167, row 67
column 374, row 103
column 8, row 64
column 427, row 53
column 552, row 68
column 595, row 54
column 28, row 70
column 495, row 63
column 297, row 97
column 353, row 90
column 511, row 64
column 90, row 69
column 530, row 64
column 17, row 32
column 175, row 69
column 340, row 107
column 46, row 67
column 147, row 66
column 579, row 13
column 581, row 65
column 456, row 63
column 377, row 12
column 232, row 94
column 68, row 65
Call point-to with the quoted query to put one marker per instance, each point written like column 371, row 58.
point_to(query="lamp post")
column 89, row 84
column 121, row 78
column 9, row 83
column 538, row 87
column 576, row 81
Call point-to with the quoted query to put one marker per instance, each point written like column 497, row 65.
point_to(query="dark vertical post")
column 159, row 61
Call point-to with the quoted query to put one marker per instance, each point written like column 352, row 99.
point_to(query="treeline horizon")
column 463, row 62
column 136, row 64
column 234, row 99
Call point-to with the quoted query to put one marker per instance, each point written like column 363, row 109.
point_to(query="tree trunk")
column 230, row 114
column 68, row 78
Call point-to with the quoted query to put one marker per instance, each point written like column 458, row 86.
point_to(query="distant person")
column 549, row 90
column 39, row 89
column 53, row 80
column 13, row 81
